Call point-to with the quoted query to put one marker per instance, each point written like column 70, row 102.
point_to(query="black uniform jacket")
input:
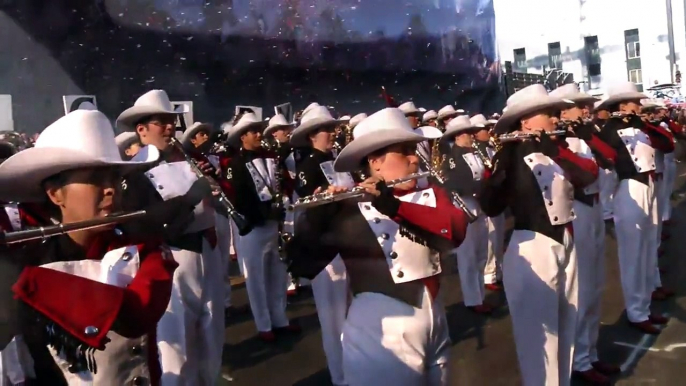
column 340, row 228
column 513, row 184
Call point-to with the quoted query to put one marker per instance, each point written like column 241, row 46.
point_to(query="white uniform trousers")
column 656, row 222
column 608, row 184
column 190, row 335
column 589, row 241
column 471, row 261
column 634, row 207
column 496, row 243
column 224, row 235
column 389, row 342
column 541, row 285
column 669, row 176
column 234, row 246
column 331, row 291
column 16, row 363
column 265, row 276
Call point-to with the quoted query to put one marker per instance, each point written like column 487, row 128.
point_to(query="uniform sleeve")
column 660, row 138
column 580, row 171
column 605, row 155
column 145, row 299
column 494, row 192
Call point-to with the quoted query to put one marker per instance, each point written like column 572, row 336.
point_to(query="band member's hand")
column 207, row 168
column 332, row 189
column 584, row 131
column 371, row 186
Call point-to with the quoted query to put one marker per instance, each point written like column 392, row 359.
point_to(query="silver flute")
column 326, row 198
column 456, row 198
column 524, row 136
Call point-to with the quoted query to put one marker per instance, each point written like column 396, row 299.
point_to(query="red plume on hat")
column 390, row 102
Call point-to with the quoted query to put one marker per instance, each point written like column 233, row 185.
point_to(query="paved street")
column 483, row 351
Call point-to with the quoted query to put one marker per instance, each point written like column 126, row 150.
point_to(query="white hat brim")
column 515, row 112
column 130, row 116
column 22, row 175
column 429, row 132
column 621, row 97
column 299, row 137
column 351, row 156
column 451, row 114
column 582, row 97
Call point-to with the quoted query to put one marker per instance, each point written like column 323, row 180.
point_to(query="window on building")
column 633, row 50
column 635, row 76
column 594, row 69
column 520, row 60
column 554, row 55
column 592, row 49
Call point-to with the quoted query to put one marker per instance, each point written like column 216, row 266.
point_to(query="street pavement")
column 483, row 351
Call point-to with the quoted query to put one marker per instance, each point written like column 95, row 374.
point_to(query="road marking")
column 671, row 347
column 633, row 356
column 638, row 347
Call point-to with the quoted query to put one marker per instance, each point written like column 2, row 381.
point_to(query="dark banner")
column 223, row 53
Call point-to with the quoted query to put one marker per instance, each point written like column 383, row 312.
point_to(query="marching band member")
column 190, row 335
column 608, row 177
column 355, row 120
column 535, row 178
column 429, row 118
column 395, row 332
column 277, row 132
column 589, row 235
column 635, row 214
column 464, row 171
column 330, row 287
column 496, row 225
column 258, row 183
column 85, row 300
column 411, row 112
column 445, row 115
column 670, row 162
column 128, row 144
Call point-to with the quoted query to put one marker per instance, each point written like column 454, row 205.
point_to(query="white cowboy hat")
column 246, row 122
column 87, row 106
column 653, row 104
column 459, row 125
column 277, row 122
column 125, row 139
column 383, row 128
column 448, row 112
column 480, row 119
column 354, row 121
column 314, row 119
column 428, row 132
column 193, row 130
column 226, row 127
column 429, row 115
column 622, row 92
column 80, row 139
column 308, row 108
column 528, row 100
column 344, row 118
column 571, row 92
column 422, row 110
column 151, row 103
column 408, row 108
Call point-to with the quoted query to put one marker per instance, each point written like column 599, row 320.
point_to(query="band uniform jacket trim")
column 407, row 260
column 336, row 178
column 581, row 148
column 465, row 173
column 262, row 171
column 118, row 268
column 174, row 179
column 77, row 314
column 557, row 191
column 638, row 145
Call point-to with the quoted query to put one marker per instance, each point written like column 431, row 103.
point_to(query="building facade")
column 601, row 42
